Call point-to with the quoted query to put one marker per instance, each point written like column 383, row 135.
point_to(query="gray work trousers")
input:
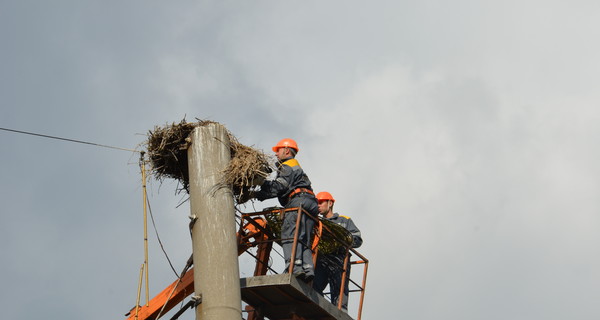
column 329, row 270
column 303, row 262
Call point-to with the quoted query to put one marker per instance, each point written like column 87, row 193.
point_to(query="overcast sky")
column 460, row 136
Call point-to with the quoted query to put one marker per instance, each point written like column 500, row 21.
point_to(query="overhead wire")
column 145, row 193
column 69, row 140
column 147, row 202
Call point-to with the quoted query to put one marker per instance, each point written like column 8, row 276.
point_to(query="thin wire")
column 168, row 298
column 257, row 260
column 281, row 255
column 183, row 272
column 70, row 140
column 158, row 237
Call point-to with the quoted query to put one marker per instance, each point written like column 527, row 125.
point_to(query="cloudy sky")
column 461, row 137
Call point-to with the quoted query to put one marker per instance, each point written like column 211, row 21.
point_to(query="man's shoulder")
column 340, row 216
column 291, row 163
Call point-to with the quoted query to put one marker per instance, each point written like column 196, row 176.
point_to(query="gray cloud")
column 459, row 137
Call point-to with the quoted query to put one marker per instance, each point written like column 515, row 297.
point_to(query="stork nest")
column 330, row 242
column 167, row 150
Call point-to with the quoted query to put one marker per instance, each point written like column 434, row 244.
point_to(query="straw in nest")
column 248, row 167
column 167, row 150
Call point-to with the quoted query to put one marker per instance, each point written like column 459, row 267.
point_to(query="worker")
column 293, row 189
column 329, row 269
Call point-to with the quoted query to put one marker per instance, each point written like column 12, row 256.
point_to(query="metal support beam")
column 166, row 299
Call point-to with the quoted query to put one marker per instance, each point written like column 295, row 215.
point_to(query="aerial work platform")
column 274, row 296
column 283, row 296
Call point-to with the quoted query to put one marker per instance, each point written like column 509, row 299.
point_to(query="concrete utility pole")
column 216, row 270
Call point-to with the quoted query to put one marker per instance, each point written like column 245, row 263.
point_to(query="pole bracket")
column 197, row 300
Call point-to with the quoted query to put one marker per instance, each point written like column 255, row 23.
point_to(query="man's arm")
column 274, row 188
column 356, row 236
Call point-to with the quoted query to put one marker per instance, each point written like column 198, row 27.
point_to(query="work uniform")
column 293, row 189
column 329, row 266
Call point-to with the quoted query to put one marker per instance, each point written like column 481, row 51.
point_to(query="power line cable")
column 66, row 139
column 159, row 241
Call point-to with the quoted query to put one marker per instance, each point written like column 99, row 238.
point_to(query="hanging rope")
column 162, row 247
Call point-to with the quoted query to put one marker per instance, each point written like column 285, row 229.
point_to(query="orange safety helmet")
column 325, row 196
column 286, row 143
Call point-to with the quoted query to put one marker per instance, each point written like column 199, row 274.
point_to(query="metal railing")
column 265, row 227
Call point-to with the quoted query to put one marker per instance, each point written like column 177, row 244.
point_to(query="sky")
column 461, row 137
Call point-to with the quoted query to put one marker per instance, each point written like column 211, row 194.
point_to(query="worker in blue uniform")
column 293, row 189
column 329, row 268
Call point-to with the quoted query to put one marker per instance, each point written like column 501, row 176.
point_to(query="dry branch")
column 167, row 150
